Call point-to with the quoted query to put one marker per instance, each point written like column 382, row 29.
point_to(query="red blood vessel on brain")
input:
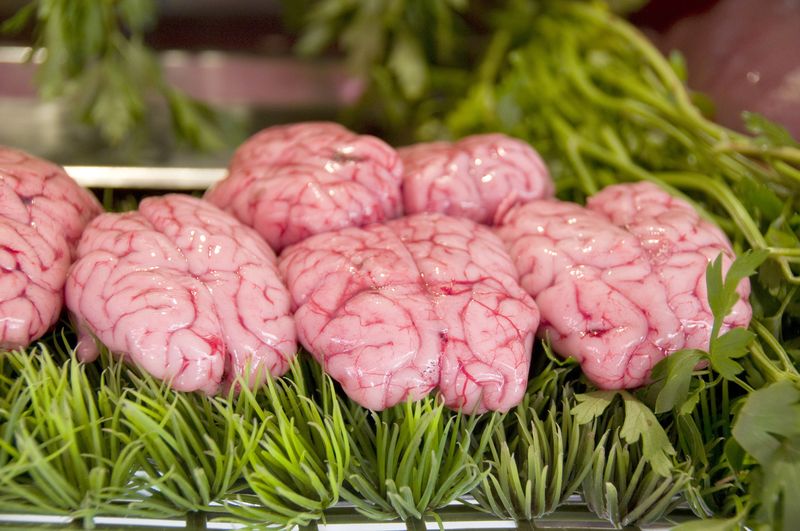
column 183, row 290
column 293, row 181
column 621, row 283
column 42, row 214
column 393, row 311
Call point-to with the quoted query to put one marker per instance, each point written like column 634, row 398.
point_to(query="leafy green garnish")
column 769, row 419
column 536, row 460
column 591, row 405
column 300, row 454
column 671, row 379
column 95, row 57
column 768, row 133
column 728, row 347
column 64, row 448
column 621, row 486
column 709, row 525
column 640, row 423
column 768, row 428
column 413, row 458
column 722, row 295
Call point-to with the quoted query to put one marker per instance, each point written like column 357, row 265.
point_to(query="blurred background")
column 239, row 60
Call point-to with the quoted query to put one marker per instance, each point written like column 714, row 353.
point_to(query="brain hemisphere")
column 478, row 177
column 290, row 182
column 620, row 286
column 679, row 244
column 184, row 291
column 42, row 214
column 396, row 310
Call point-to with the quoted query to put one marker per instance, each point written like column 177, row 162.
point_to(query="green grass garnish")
column 413, row 458
column 621, row 486
column 65, row 449
column 537, row 460
column 300, row 449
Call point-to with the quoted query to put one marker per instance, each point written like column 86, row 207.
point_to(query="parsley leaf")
column 671, row 378
column 722, row 294
column 768, row 428
column 640, row 422
column 591, row 405
column 767, row 132
column 728, row 347
column 759, row 199
column 714, row 524
column 781, row 482
column 769, row 416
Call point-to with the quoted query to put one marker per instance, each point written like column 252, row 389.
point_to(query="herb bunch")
column 95, row 56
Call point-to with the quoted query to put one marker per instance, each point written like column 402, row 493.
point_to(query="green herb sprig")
column 95, row 56
column 301, row 450
column 536, row 459
column 413, row 458
column 64, row 448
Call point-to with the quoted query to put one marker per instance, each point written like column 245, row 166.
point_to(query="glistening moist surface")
column 395, row 310
column 42, row 214
column 620, row 284
column 293, row 181
column 479, row 177
column 183, row 290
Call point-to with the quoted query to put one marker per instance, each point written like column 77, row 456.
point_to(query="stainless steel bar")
column 155, row 178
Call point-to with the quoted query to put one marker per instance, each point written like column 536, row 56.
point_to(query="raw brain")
column 394, row 310
column 42, row 214
column 183, row 290
column 291, row 182
column 621, row 283
column 479, row 177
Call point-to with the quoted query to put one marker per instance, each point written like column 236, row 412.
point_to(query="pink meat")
column 621, row 284
column 294, row 181
column 395, row 310
column 42, row 214
column 679, row 244
column 479, row 177
column 183, row 290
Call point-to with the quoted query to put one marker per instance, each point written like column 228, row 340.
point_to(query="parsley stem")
column 572, row 143
column 726, row 414
column 744, row 385
column 785, row 153
column 767, row 366
column 776, row 346
column 784, row 251
column 787, row 171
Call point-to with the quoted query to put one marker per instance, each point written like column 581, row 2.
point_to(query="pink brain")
column 395, row 310
column 479, row 177
column 291, row 182
column 621, row 283
column 183, row 290
column 42, row 214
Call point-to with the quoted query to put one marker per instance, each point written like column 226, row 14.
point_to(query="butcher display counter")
column 714, row 433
